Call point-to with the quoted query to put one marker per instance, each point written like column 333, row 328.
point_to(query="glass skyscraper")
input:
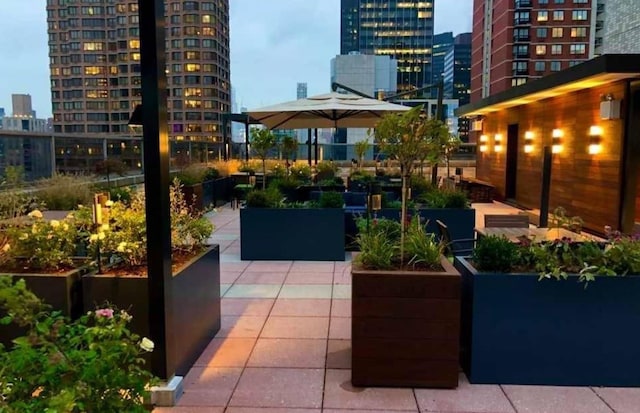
column 402, row 29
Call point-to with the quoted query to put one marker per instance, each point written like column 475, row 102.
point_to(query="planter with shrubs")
column 552, row 313
column 273, row 230
column 197, row 185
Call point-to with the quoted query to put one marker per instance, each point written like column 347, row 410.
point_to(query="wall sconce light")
column 484, row 139
column 252, row 178
column 528, row 142
column 595, row 140
column 497, row 143
column 556, row 142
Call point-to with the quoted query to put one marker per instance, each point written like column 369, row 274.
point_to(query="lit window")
column 192, row 67
column 134, row 44
column 557, row 32
column 541, row 49
column 543, row 16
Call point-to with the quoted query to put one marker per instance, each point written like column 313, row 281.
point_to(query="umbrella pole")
column 309, row 146
column 315, row 143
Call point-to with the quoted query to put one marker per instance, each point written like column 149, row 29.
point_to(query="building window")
column 543, row 16
column 521, row 50
column 540, row 66
column 541, row 49
column 541, row 32
column 558, row 15
column 519, row 68
column 557, row 32
column 578, row 32
column 574, row 62
column 556, row 49
column 580, row 1
column 517, row 81
column 579, row 15
column 556, row 66
column 577, row 49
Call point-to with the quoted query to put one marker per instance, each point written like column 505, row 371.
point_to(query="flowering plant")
column 92, row 364
column 41, row 244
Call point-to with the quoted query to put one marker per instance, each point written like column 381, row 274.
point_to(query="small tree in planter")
column 361, row 148
column 289, row 149
column 408, row 138
column 110, row 166
column 262, row 142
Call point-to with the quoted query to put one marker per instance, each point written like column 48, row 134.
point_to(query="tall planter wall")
column 315, row 234
column 518, row 330
column 195, row 305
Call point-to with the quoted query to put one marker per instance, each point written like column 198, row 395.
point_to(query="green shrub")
column 14, row 201
column 65, row 192
column 279, row 171
column 301, row 172
column 421, row 248
column 387, row 227
column 246, row 167
column 325, row 170
column 377, row 252
column 419, row 184
column 122, row 194
column 442, row 198
column 269, row 198
column 211, row 174
column 493, row 253
column 331, row 200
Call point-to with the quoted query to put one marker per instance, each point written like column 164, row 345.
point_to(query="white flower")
column 93, row 238
column 65, row 227
column 105, row 227
column 147, row 345
column 35, row 214
column 125, row 316
column 55, row 223
column 101, row 236
column 24, row 236
column 108, row 203
column 6, row 247
column 70, row 215
column 121, row 247
column 80, row 206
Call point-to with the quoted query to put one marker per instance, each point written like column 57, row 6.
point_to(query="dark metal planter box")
column 193, row 196
column 217, row 192
column 314, row 234
column 406, row 328
column 461, row 222
column 195, row 305
column 63, row 292
column 518, row 330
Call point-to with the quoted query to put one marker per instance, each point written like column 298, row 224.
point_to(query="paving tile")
column 551, row 399
column 277, row 387
column 270, row 266
column 234, row 266
column 255, row 277
column 229, row 277
column 287, row 352
column 209, row 386
column 341, row 291
column 342, row 277
column 339, row 394
column 339, row 354
column 622, row 400
column 340, row 308
column 312, row 266
column 226, row 352
column 309, row 278
column 296, row 327
column 477, row 398
column 363, row 411
column 253, row 291
column 189, row 409
column 294, row 307
column 224, row 288
column 340, row 328
column 305, row 291
column 241, row 326
column 246, row 306
column 269, row 410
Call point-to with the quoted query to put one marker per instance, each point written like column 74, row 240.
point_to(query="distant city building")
column 367, row 74
column 2, row 114
column 301, row 92
column 457, row 77
column 402, row 30
column 441, row 44
column 23, row 117
column 515, row 41
column 431, row 107
column 621, row 27
column 94, row 49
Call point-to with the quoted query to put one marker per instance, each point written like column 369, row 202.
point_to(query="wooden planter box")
column 518, row 330
column 313, row 234
column 195, row 304
column 406, row 328
column 63, row 292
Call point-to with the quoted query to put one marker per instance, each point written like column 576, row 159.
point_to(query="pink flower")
column 104, row 312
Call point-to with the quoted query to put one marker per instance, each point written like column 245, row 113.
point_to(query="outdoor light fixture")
column 556, row 141
column 252, row 178
column 483, row 143
column 497, row 143
column 374, row 200
column 101, row 205
column 528, row 142
column 595, row 140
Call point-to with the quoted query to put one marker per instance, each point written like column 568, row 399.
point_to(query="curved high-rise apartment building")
column 94, row 50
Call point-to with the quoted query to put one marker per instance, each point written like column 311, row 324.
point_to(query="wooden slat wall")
column 585, row 185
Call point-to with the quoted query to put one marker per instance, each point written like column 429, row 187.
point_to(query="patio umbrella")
column 332, row 110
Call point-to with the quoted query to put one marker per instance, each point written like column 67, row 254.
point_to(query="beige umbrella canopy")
column 332, row 110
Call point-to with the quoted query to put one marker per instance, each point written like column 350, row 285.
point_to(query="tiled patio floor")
column 284, row 347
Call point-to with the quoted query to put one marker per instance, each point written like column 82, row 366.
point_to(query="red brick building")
column 515, row 41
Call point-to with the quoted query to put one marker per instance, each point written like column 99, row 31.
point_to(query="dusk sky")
column 274, row 45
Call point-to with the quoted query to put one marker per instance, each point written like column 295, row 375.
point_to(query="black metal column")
column 546, row 187
column 246, row 139
column 156, row 183
column 225, row 141
column 315, row 144
column 309, row 146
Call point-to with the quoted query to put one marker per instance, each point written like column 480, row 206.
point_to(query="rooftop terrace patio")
column 284, row 346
